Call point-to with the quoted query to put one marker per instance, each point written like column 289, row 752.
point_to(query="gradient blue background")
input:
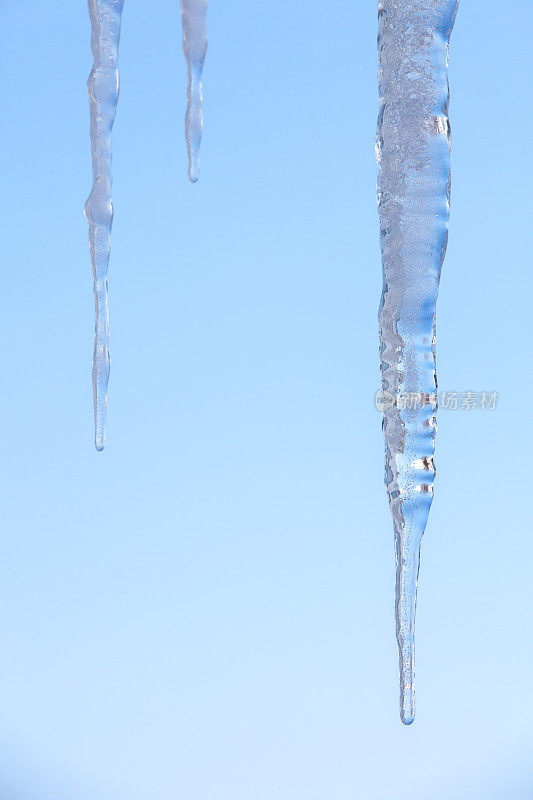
column 205, row 610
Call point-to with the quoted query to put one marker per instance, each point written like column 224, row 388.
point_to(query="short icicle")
column 413, row 154
column 102, row 87
column 194, row 22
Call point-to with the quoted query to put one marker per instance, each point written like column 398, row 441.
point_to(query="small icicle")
column 194, row 22
column 102, row 87
column 413, row 153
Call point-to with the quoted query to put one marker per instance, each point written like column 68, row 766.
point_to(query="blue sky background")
column 205, row 610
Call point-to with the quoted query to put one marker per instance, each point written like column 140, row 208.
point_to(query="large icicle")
column 194, row 22
column 102, row 87
column 413, row 154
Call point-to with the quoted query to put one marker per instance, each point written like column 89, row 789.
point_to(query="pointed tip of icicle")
column 100, row 439
column 194, row 174
column 407, row 706
column 99, row 433
column 100, row 381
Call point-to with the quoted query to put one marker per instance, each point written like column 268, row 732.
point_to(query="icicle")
column 413, row 154
column 102, row 87
column 193, row 17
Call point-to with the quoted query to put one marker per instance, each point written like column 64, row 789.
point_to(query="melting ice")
column 413, row 155
column 193, row 16
column 102, row 87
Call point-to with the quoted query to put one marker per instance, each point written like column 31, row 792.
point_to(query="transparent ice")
column 102, row 87
column 413, row 155
column 193, row 16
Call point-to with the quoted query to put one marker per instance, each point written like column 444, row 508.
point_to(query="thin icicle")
column 194, row 22
column 413, row 153
column 102, row 87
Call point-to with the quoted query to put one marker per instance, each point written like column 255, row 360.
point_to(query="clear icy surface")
column 194, row 22
column 413, row 155
column 102, row 87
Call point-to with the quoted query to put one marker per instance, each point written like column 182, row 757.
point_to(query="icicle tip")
column 99, row 442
